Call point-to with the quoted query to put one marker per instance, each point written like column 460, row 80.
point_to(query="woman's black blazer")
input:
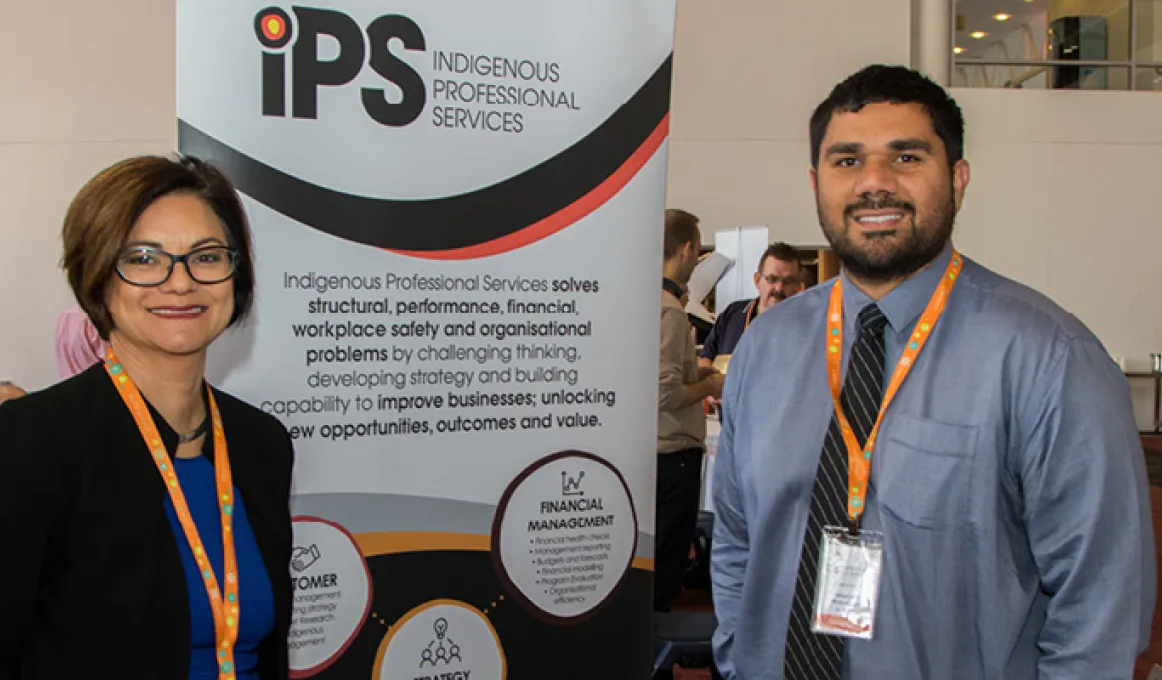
column 91, row 581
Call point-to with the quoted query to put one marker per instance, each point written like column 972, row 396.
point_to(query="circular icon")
column 273, row 28
column 564, row 536
column 441, row 639
column 332, row 594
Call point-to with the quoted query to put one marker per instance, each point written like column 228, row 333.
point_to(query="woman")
column 118, row 486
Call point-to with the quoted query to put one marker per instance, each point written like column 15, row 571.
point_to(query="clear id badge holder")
column 848, row 584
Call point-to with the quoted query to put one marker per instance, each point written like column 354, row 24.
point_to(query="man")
column 682, row 386
column 778, row 277
column 1007, row 485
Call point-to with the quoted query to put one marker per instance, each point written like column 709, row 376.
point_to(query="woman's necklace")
column 196, row 432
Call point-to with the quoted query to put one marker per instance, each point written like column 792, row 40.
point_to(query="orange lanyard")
column 749, row 309
column 225, row 610
column 859, row 460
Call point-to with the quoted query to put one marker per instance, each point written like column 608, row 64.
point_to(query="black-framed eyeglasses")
column 772, row 280
column 146, row 266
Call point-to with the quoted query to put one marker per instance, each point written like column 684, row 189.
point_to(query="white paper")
column 699, row 310
column 706, row 275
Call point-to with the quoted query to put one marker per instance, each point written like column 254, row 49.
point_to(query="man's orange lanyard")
column 859, row 460
column 225, row 610
column 749, row 309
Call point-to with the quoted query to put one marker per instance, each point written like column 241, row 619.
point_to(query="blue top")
column 1008, row 481
column 728, row 328
column 255, row 596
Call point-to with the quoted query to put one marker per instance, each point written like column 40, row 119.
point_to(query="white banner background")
column 433, row 496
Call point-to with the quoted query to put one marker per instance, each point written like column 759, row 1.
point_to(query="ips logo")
column 276, row 31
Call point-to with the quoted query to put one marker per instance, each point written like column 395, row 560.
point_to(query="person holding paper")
column 682, row 386
column 145, row 514
column 925, row 470
column 778, row 277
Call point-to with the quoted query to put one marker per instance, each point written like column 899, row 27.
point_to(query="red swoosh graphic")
column 563, row 218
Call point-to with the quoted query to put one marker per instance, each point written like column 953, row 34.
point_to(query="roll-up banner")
column 456, row 209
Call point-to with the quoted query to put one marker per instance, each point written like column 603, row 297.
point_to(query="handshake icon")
column 302, row 558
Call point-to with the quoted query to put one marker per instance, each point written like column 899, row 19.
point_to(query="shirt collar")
column 905, row 303
column 673, row 288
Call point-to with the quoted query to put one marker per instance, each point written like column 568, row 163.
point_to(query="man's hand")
column 716, row 380
column 707, row 385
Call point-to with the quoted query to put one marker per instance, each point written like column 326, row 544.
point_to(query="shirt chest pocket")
column 923, row 471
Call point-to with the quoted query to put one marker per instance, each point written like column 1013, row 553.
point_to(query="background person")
column 116, row 568
column 78, row 343
column 778, row 277
column 682, row 386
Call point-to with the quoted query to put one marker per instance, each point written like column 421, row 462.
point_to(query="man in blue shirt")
column 778, row 277
column 1007, row 478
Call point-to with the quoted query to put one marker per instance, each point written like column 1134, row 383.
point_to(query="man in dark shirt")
column 779, row 276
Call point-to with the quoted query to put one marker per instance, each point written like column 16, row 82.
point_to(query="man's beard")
column 919, row 245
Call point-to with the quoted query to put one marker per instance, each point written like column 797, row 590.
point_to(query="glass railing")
column 1058, row 44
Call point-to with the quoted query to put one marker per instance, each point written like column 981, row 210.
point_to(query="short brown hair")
column 103, row 213
column 681, row 228
column 780, row 251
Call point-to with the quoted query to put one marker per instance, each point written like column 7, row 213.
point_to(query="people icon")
column 441, row 650
column 426, row 658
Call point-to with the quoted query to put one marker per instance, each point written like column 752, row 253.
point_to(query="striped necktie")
column 808, row 655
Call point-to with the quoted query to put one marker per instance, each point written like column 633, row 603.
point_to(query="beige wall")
column 747, row 74
column 83, row 86
column 1064, row 194
column 1065, row 197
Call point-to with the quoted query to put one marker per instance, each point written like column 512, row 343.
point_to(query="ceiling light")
column 958, row 50
column 978, row 34
column 1002, row 16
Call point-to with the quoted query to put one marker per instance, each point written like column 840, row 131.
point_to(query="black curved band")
column 456, row 221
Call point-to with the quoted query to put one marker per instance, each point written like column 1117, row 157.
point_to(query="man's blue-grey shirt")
column 1008, row 482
